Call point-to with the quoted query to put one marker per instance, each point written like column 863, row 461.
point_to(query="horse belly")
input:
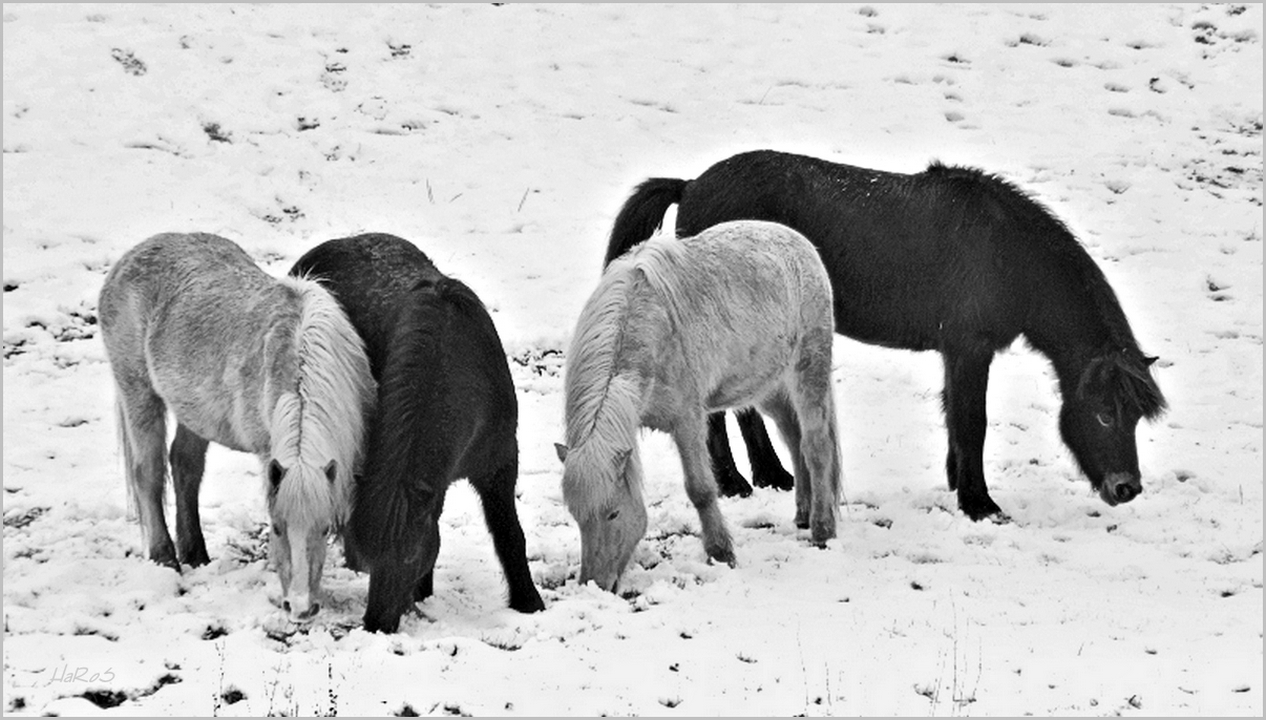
column 211, row 418
column 209, row 408
column 748, row 374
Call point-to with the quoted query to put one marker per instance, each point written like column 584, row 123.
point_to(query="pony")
column 268, row 366
column 950, row 259
column 737, row 315
column 446, row 410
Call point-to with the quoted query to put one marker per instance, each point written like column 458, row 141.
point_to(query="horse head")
column 604, row 495
column 1098, row 421
column 302, row 519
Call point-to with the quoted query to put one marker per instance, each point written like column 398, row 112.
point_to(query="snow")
column 502, row 140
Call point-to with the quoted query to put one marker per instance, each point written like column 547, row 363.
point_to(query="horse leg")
column 701, row 487
column 966, row 381
column 425, row 586
column 143, row 419
column 767, row 470
column 820, row 449
column 730, row 481
column 779, row 408
column 188, row 460
column 496, row 493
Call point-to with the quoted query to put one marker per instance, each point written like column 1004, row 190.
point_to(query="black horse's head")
column 1098, row 420
column 397, row 548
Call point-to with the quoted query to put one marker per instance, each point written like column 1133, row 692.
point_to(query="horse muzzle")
column 301, row 608
column 1120, row 488
column 605, row 581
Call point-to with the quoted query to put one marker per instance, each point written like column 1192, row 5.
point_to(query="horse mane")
column 1124, row 377
column 1120, row 368
column 410, row 455
column 602, row 417
column 660, row 262
column 322, row 416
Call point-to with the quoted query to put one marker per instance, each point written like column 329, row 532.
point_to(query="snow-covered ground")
column 502, row 140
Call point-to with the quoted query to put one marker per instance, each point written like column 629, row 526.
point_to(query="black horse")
column 950, row 259
column 446, row 410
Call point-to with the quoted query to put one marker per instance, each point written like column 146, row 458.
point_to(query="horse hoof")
column 822, row 532
column 527, row 605
column 778, row 480
column 197, row 559
column 722, row 556
column 167, row 561
column 734, row 487
column 979, row 510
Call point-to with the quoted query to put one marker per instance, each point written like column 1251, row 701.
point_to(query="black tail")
column 642, row 214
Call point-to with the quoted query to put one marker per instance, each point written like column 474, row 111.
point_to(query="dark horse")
column 446, row 410
column 950, row 259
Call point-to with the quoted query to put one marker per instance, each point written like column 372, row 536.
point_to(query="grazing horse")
column 949, row 259
column 272, row 367
column 738, row 315
column 446, row 410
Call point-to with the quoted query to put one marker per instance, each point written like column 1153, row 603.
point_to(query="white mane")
column 322, row 417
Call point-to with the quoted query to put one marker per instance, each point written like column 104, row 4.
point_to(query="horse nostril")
column 1125, row 492
column 285, row 604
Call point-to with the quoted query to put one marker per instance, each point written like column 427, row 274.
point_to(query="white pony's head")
column 603, row 490
column 316, row 439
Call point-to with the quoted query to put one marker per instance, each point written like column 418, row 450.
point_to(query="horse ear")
column 275, row 473
column 562, row 452
column 1148, row 360
column 331, row 471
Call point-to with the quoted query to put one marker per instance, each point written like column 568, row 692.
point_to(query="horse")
column 737, row 315
column 268, row 366
column 446, row 410
column 950, row 259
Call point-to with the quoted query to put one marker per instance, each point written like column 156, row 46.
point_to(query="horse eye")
column 1104, row 419
column 614, row 514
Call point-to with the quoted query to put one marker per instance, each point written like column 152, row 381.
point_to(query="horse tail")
column 643, row 214
column 129, row 464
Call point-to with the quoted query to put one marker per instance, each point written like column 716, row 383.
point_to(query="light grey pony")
column 254, row 363
column 738, row 315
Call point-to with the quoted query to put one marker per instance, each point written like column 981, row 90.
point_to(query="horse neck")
column 601, row 444
column 410, row 456
column 597, row 395
column 1075, row 317
column 329, row 396
column 413, row 402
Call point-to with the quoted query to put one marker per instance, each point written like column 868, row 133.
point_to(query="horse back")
column 432, row 347
column 741, row 300
column 192, row 313
column 908, row 255
column 480, row 378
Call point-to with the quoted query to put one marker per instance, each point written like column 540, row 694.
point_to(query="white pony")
column 738, row 315
column 272, row 367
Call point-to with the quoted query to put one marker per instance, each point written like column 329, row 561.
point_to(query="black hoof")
column 980, row 509
column 528, row 604
column 775, row 478
column 166, row 558
column 732, row 484
column 197, row 557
